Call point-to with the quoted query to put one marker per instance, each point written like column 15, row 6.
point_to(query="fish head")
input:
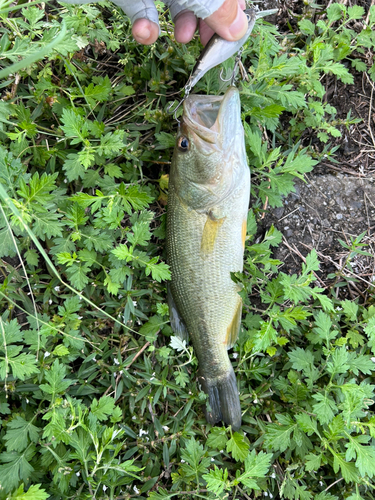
column 209, row 149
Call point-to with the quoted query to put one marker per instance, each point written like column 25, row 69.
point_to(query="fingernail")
column 239, row 26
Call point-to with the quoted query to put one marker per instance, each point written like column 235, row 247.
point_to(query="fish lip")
column 204, row 115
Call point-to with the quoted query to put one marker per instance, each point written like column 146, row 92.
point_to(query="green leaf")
column 34, row 492
column 338, row 363
column 350, row 309
column 56, row 381
column 165, row 140
column 20, row 433
column 217, row 480
column 152, row 327
column 217, row 438
column 301, row 359
column 15, row 467
column 325, row 408
column 159, row 272
column 77, row 273
column 307, row 27
column 348, row 470
column 256, row 465
column 364, row 455
column 355, row 12
column 238, row 445
column 194, row 456
column 313, row 462
column 98, row 93
column 278, row 436
column 307, row 423
column 75, row 126
column 103, row 408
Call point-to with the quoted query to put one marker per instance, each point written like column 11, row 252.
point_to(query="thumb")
column 229, row 21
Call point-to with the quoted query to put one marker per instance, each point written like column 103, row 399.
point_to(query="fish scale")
column 207, row 211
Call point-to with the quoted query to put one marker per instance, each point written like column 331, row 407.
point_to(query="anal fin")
column 234, row 326
column 177, row 324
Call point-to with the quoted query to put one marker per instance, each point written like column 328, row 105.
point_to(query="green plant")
column 98, row 399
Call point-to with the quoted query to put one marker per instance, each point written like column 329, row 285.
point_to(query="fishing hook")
column 237, row 61
column 173, row 112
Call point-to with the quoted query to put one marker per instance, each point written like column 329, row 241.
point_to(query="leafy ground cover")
column 98, row 398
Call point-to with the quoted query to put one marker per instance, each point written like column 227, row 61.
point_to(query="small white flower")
column 373, row 360
column 136, row 490
column 273, row 475
column 66, row 181
column 212, row 459
column 255, row 401
column 134, row 303
column 104, row 487
column 182, row 461
column 320, row 483
column 166, row 428
column 120, row 372
column 235, row 355
column 152, row 378
column 134, row 417
column 265, row 493
column 114, row 374
column 57, row 288
column 27, row 401
column 78, row 474
column 46, row 354
column 50, row 301
column 116, row 361
column 94, row 358
column 120, row 296
column 80, row 317
column 221, row 451
column 141, row 432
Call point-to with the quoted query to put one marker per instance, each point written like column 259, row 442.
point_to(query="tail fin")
column 223, row 399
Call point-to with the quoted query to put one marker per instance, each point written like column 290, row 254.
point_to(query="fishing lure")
column 219, row 50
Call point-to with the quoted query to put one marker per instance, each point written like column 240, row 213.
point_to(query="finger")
column 185, row 24
column 229, row 21
column 205, row 32
column 145, row 32
column 144, row 18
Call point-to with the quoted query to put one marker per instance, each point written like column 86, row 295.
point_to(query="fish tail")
column 223, row 399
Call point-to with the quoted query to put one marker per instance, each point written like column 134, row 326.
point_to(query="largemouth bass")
column 209, row 189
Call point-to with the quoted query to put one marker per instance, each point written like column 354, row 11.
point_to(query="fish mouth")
column 210, row 116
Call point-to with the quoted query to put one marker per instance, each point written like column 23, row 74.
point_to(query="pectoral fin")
column 234, row 327
column 177, row 324
column 209, row 235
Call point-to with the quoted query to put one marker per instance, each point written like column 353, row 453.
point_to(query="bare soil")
column 338, row 200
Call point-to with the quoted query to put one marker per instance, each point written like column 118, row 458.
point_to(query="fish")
column 208, row 200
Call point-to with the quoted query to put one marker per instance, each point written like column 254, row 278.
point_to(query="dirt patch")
column 323, row 211
column 338, row 200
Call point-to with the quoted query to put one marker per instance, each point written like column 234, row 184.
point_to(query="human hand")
column 226, row 18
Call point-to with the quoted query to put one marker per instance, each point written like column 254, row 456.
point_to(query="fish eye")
column 183, row 143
